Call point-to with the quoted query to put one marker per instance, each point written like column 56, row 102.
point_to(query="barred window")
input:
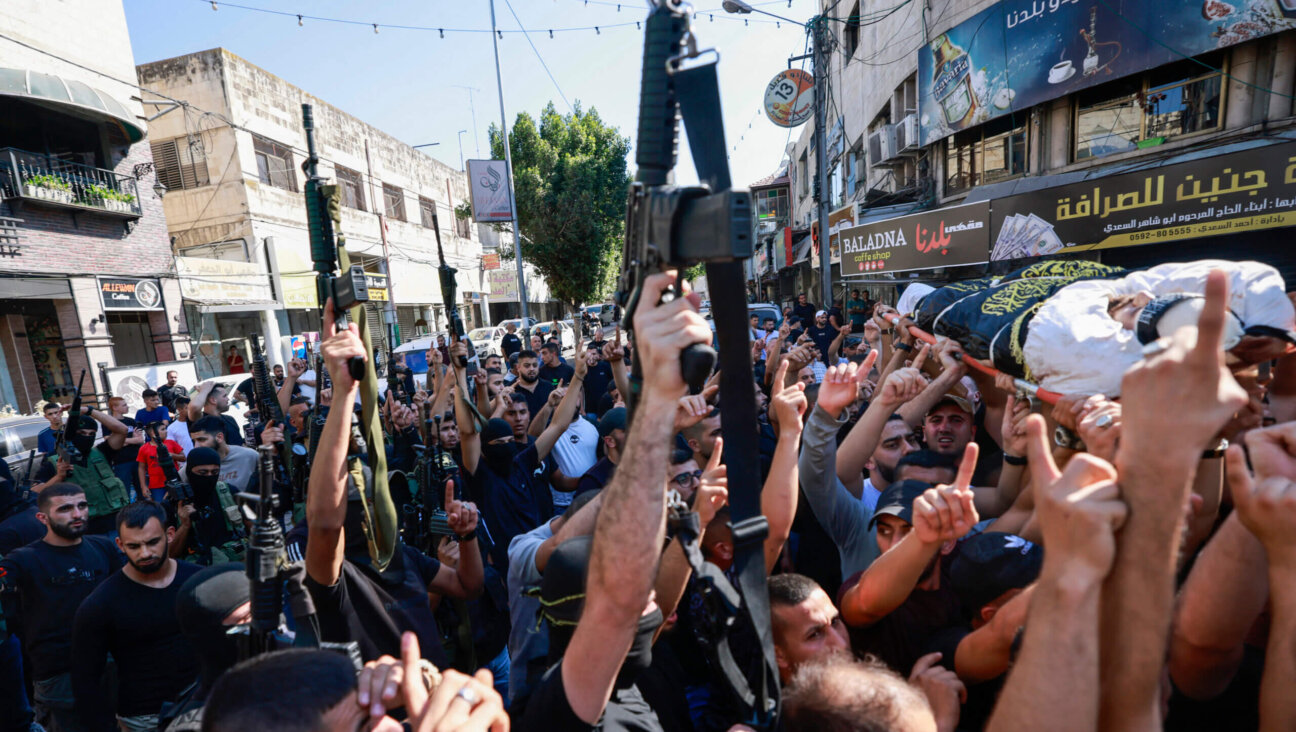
column 351, row 187
column 180, row 163
column 274, row 164
column 394, row 199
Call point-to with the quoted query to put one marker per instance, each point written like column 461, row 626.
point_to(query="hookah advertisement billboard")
column 1019, row 53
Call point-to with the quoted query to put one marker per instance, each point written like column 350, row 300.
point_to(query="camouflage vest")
column 235, row 549
column 105, row 492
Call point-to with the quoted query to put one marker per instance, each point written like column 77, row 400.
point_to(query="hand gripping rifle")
column 182, row 493
column 672, row 227
column 66, row 448
column 268, row 409
column 348, row 292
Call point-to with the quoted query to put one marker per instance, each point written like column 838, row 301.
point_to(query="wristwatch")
column 1065, row 438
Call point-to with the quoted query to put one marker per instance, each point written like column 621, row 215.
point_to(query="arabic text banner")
column 1019, row 53
column 1245, row 191
column 946, row 237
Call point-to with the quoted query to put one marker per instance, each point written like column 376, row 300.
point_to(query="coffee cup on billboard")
column 1060, row 72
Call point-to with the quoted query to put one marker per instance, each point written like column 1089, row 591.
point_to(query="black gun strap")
column 698, row 91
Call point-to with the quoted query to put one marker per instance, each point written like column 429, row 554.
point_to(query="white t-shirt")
column 179, row 431
column 869, row 496
column 307, row 391
column 575, row 453
column 238, row 467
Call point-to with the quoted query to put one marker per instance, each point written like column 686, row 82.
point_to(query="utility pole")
column 508, row 162
column 389, row 308
column 819, row 28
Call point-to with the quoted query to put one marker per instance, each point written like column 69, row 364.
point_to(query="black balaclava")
column 204, row 602
column 204, row 486
column 562, row 599
column 499, row 458
column 83, row 443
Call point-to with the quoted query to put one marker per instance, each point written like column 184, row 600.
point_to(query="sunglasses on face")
column 683, row 480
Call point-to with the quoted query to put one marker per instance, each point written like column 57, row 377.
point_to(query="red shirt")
column 148, row 456
column 235, row 364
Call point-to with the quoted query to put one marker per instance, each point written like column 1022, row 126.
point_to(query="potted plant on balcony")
column 48, row 187
column 120, row 201
column 109, row 199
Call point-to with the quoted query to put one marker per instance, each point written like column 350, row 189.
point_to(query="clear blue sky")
column 408, row 82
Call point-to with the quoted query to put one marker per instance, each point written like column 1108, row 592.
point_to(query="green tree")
column 571, row 180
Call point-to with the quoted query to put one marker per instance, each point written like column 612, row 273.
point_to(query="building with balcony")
column 86, row 272
column 1076, row 131
column 231, row 158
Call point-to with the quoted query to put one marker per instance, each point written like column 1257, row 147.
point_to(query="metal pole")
column 389, row 309
column 508, row 162
column 821, row 157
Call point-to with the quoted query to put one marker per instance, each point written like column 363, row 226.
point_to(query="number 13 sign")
column 789, row 98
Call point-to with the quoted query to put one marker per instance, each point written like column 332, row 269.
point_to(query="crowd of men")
column 942, row 552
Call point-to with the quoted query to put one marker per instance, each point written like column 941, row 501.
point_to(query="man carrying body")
column 132, row 616
column 43, row 584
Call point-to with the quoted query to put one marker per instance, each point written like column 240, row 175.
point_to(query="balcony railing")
column 48, row 180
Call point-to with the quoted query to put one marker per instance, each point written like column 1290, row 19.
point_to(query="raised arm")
column 632, row 523
column 952, row 370
column 1054, row 684
column 898, row 388
column 1267, row 506
column 941, row 515
column 467, row 579
column 469, row 438
column 781, row 489
column 563, row 413
column 296, row 367
column 834, row 348
column 117, row 431
column 614, row 355
column 326, row 495
column 1156, row 460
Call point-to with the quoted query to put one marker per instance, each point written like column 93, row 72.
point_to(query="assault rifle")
column 448, row 291
column 328, row 252
column 268, row 409
column 66, row 448
column 672, row 227
column 266, row 558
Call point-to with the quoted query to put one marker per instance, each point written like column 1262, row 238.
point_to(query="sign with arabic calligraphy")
column 789, row 98
column 1245, row 191
column 946, row 237
column 1019, row 53
column 490, row 190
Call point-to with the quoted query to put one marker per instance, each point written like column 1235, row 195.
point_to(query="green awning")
column 72, row 96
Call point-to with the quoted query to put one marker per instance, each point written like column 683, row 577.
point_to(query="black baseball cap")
column 898, row 499
column 615, row 419
column 989, row 564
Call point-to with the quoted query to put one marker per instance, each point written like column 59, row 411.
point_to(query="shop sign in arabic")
column 947, row 237
column 1248, row 190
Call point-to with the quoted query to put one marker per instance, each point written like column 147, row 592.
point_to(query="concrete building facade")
column 86, row 276
column 237, row 216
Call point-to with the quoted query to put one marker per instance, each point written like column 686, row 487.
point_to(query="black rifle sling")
column 698, row 91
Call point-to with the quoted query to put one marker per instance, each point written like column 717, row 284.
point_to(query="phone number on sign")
column 1160, row 233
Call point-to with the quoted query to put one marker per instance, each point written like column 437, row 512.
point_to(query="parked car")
column 18, row 444
column 487, row 340
column 762, row 309
column 565, row 332
column 530, row 323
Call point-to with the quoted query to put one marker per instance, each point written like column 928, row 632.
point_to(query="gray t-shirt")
column 238, row 469
column 527, row 642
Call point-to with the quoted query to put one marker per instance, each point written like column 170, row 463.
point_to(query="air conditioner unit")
column 881, row 145
column 906, row 133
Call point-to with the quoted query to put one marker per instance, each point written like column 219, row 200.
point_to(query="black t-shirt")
column 138, row 625
column 510, row 344
column 513, row 504
column 822, row 337
column 233, row 435
column 597, row 477
column 51, row 581
column 981, row 697
column 373, row 611
column 835, row 311
column 168, row 395
column 906, row 634
column 20, row 529
column 597, row 378
column 805, row 312
column 128, row 453
column 549, row 710
column 537, row 397
column 552, row 375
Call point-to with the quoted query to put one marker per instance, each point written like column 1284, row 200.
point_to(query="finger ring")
column 1104, row 421
column 468, row 695
column 1156, row 348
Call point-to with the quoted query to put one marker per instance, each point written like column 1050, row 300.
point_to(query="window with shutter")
column 427, row 209
column 180, row 163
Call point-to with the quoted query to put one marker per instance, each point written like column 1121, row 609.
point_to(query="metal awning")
column 71, row 96
column 801, row 250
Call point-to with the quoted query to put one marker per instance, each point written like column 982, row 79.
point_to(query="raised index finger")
column 716, row 453
column 921, row 357
column 449, row 494
column 329, row 318
column 968, row 466
column 867, row 366
column 1210, row 326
